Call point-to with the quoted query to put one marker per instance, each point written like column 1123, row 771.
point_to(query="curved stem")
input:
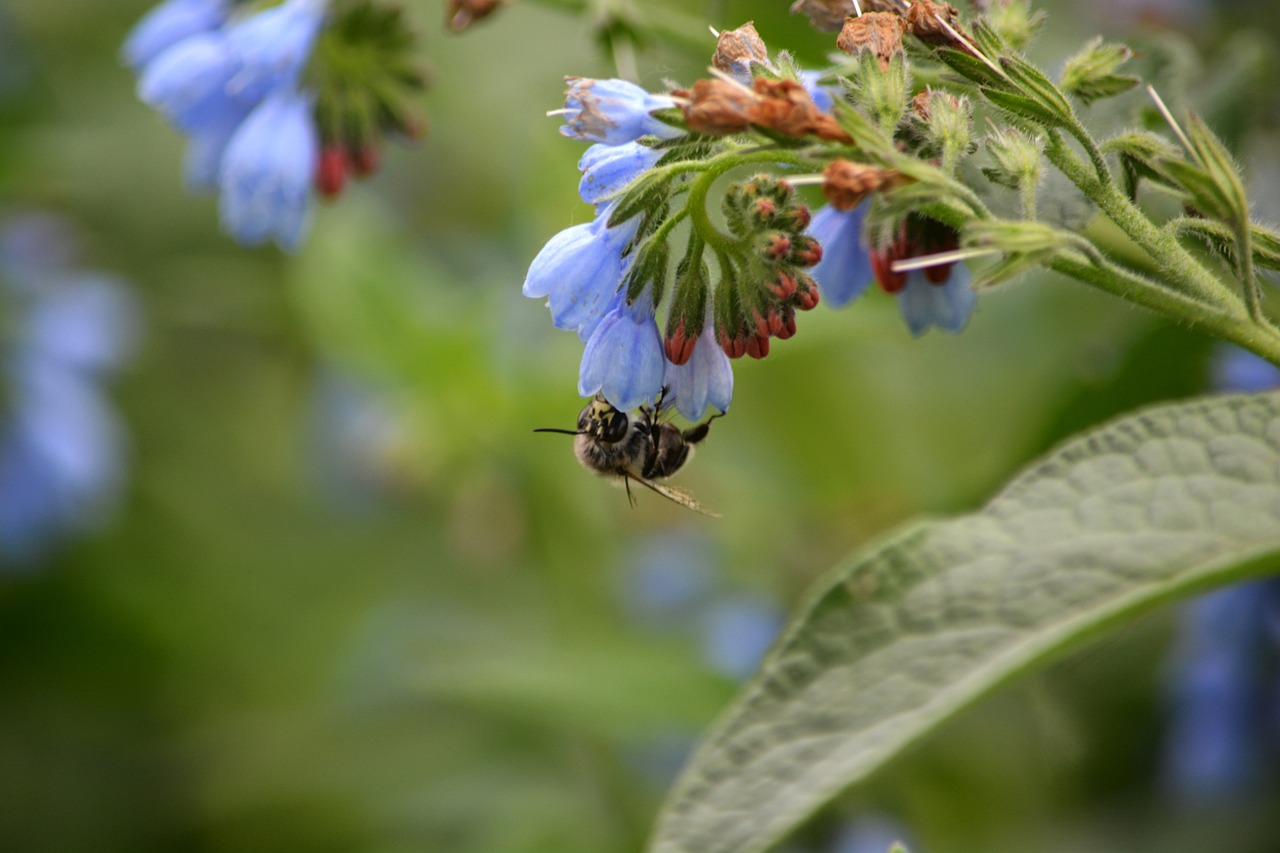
column 696, row 202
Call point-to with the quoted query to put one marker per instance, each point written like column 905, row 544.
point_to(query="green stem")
column 1244, row 269
column 696, row 202
column 1175, row 263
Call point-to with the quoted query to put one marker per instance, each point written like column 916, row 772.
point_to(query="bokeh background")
column 344, row 599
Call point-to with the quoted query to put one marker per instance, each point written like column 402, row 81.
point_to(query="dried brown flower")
column 829, row 15
column 938, row 24
column 716, row 106
column 785, row 106
column 737, row 49
column 846, row 183
column 878, row 32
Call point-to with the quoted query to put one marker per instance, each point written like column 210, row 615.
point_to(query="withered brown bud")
column 785, row 106
column 920, row 103
column 878, row 32
column 716, row 106
column 737, row 49
column 846, row 183
column 937, row 24
column 461, row 14
column 829, row 15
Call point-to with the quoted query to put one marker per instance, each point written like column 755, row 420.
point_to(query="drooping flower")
column 606, row 169
column 272, row 47
column 189, row 83
column 706, row 379
column 169, row 23
column 736, row 633
column 578, row 272
column 939, row 295
column 612, row 112
column 623, row 358
column 267, row 172
column 844, row 272
column 947, row 305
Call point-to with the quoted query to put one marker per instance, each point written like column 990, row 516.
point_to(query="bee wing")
column 675, row 495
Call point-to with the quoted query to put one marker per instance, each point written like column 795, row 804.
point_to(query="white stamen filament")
column 805, row 180
column 926, row 261
column 714, row 33
column 561, row 112
column 1168, row 116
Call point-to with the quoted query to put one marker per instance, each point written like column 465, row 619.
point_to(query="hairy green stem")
column 696, row 201
column 1175, row 263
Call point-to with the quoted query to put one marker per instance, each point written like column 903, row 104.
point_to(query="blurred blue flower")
column 948, row 305
column 169, row 23
column 736, row 632
column 667, row 576
column 578, row 272
column 267, row 172
column 623, row 359
column 844, row 273
column 706, row 379
column 358, row 438
column 232, row 85
column 1236, row 369
column 608, row 168
column 821, row 95
column 61, row 445
column 1224, row 727
column 868, row 834
column 612, row 112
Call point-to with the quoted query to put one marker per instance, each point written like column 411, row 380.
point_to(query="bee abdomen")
column 669, row 454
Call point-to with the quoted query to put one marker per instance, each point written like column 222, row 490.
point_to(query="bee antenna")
column 561, row 431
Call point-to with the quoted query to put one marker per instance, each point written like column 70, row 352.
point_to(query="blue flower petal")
column 606, row 169
column 623, row 360
column 705, row 379
column 821, row 95
column 85, row 323
column 272, row 47
column 188, row 83
column 613, row 112
column 579, row 271
column 268, row 170
column 844, row 273
column 169, row 23
column 947, row 306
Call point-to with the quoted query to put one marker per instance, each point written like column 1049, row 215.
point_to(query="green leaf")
column 1023, row 107
column 912, row 629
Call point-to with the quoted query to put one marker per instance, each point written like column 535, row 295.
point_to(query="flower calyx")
column 784, row 107
column 364, row 77
column 739, row 50
column 846, row 183
column 879, row 33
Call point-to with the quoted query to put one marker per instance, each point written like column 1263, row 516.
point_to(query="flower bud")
column 331, row 171
column 806, row 292
column 688, row 312
column 757, row 346
column 461, row 14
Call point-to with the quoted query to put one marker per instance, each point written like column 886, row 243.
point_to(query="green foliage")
column 913, row 629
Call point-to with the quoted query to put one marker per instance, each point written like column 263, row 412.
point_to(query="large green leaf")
column 913, row 629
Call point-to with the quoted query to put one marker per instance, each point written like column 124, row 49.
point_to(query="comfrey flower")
column 623, row 359
column 266, row 118
column 612, row 112
column 61, row 446
column 938, row 295
column 844, row 273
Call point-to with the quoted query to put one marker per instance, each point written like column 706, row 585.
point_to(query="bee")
column 639, row 446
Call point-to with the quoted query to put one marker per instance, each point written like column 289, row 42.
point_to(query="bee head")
column 602, row 421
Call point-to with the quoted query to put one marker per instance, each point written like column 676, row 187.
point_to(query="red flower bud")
column 788, row 320
column 734, row 347
column 758, row 346
column 801, row 215
column 881, row 261
column 806, row 293
column 765, row 209
column 806, row 252
column 938, row 273
column 365, row 160
column 678, row 347
column 778, row 247
column 783, row 287
column 331, row 170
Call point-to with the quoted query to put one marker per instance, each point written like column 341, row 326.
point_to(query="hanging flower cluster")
column 270, row 108
column 654, row 317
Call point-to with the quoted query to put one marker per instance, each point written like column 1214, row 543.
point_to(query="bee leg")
column 695, row 434
column 626, row 483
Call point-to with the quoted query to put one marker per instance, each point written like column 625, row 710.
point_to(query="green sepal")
column 1011, row 22
column 649, row 267
column 1090, row 74
column 1022, row 106
column 1221, row 240
column 866, row 135
column 689, row 302
column 1205, row 194
column 973, row 69
column 1035, row 85
column 1220, row 168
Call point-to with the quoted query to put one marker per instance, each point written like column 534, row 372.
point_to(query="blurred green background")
column 350, row 602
